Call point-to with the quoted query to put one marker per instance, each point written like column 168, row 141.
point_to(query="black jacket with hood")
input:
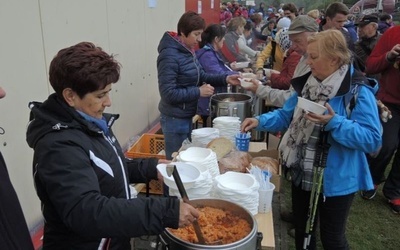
column 14, row 233
column 82, row 179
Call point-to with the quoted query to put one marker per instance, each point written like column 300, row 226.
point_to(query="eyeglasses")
column 287, row 13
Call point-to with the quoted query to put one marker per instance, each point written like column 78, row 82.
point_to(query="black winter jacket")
column 81, row 177
column 14, row 233
column 179, row 78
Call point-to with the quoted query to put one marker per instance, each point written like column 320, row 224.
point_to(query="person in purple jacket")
column 212, row 40
column 385, row 22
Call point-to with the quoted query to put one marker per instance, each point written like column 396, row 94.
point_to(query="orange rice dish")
column 219, row 227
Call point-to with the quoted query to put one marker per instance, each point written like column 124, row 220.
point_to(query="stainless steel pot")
column 231, row 104
column 259, row 108
column 251, row 242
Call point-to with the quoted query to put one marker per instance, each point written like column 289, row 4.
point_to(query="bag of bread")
column 266, row 163
column 221, row 146
column 237, row 161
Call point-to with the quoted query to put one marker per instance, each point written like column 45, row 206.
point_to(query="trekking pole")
column 321, row 156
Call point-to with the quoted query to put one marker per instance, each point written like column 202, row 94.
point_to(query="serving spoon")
column 172, row 170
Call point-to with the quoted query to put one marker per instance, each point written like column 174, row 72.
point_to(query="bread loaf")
column 236, row 161
column 221, row 146
column 266, row 163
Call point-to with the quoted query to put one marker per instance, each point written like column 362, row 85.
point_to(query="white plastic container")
column 310, row 106
column 188, row 173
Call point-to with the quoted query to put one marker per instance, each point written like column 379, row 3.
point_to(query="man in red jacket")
column 385, row 59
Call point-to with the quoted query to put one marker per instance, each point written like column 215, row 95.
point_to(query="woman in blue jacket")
column 350, row 136
column 212, row 40
column 182, row 81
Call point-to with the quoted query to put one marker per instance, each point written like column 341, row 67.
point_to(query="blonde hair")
column 236, row 22
column 313, row 13
column 332, row 44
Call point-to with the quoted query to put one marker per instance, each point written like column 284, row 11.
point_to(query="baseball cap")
column 303, row 23
column 367, row 19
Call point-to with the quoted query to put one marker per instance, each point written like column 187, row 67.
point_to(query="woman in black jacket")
column 14, row 233
column 81, row 175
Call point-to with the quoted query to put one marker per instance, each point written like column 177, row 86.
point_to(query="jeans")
column 332, row 215
column 175, row 131
column 390, row 143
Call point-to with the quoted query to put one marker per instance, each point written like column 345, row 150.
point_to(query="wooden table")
column 266, row 227
column 264, row 221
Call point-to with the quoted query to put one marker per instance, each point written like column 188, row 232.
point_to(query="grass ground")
column 372, row 224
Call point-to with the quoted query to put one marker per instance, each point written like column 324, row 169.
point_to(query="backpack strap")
column 273, row 51
column 351, row 96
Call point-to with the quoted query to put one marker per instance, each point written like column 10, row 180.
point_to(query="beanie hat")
column 284, row 22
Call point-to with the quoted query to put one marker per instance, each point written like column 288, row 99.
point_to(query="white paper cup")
column 265, row 199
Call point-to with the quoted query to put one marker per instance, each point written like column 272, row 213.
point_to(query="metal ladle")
column 172, row 170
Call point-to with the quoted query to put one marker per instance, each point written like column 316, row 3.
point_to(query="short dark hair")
column 290, row 7
column 248, row 26
column 336, row 8
column 210, row 33
column 384, row 17
column 84, row 68
column 190, row 21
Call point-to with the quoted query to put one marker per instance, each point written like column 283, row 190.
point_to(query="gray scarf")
column 300, row 140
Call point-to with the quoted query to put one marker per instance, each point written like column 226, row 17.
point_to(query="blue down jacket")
column 179, row 78
column 350, row 138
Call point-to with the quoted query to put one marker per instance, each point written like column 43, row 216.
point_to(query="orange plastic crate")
column 155, row 187
column 148, row 145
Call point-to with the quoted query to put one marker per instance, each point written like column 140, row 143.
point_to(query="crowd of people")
column 268, row 18
column 353, row 50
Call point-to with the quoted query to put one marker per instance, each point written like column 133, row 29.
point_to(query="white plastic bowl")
column 195, row 154
column 236, row 181
column 310, row 106
column 188, row 173
column 241, row 65
column 245, row 82
column 205, row 131
column 227, row 119
column 248, row 75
